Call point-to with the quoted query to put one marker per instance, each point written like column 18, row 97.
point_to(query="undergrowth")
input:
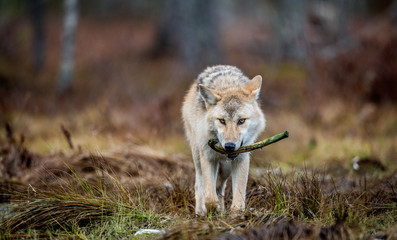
column 103, row 209
column 300, row 205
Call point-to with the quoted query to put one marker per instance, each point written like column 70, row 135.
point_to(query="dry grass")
column 302, row 205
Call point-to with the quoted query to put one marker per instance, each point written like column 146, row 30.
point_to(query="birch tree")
column 68, row 44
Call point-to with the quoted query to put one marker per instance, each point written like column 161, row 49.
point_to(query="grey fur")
column 221, row 77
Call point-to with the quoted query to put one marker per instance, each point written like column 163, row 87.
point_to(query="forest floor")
column 109, row 158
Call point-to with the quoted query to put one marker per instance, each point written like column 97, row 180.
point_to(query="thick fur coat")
column 222, row 103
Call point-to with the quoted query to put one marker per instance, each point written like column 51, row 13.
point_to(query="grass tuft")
column 298, row 205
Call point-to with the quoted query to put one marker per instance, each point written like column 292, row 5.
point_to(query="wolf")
column 222, row 103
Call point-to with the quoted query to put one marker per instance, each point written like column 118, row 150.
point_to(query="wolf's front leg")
column 201, row 210
column 240, row 170
column 209, row 169
column 224, row 173
column 199, row 185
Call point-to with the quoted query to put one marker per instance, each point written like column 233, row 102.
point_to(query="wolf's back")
column 222, row 77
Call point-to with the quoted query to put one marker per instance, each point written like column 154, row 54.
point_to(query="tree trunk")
column 69, row 32
column 189, row 30
column 36, row 10
column 289, row 24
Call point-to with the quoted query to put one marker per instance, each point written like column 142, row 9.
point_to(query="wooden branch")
column 212, row 143
column 68, row 136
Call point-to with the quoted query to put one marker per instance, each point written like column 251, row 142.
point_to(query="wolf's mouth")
column 232, row 156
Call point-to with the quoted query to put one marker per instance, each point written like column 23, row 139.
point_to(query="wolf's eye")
column 241, row 121
column 222, row 121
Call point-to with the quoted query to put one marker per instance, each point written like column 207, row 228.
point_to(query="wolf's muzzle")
column 229, row 147
column 232, row 149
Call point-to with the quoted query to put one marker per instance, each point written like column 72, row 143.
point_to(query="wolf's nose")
column 229, row 147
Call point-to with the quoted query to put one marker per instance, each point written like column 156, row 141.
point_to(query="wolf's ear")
column 210, row 96
column 253, row 87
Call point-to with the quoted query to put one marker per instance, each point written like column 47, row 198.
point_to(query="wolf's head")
column 233, row 115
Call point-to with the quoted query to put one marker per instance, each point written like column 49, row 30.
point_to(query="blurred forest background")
column 106, row 74
column 93, row 86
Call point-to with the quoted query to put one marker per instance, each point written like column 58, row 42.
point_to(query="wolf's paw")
column 201, row 212
column 212, row 207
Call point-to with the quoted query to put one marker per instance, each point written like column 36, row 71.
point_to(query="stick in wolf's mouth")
column 212, row 143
